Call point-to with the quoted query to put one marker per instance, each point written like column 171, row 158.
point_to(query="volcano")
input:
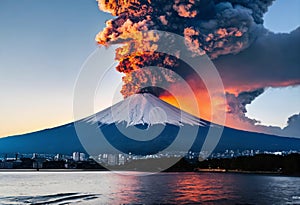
column 140, row 124
column 144, row 109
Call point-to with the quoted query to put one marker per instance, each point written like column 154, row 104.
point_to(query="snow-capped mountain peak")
column 144, row 108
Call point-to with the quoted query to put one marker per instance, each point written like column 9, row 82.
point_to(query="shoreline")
column 273, row 173
column 243, row 172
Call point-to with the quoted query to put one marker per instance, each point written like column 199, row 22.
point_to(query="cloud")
column 236, row 105
column 236, row 116
column 212, row 27
column 271, row 61
column 247, row 55
column 293, row 127
column 215, row 26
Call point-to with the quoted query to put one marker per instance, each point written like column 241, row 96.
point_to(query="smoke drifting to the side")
column 248, row 57
column 236, row 105
column 212, row 27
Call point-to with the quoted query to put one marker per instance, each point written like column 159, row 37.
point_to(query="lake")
column 162, row 188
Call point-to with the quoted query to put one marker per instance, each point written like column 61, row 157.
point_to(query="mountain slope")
column 130, row 125
column 144, row 108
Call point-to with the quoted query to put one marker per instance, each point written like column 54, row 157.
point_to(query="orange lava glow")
column 185, row 103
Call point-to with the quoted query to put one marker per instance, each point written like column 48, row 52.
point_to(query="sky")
column 45, row 43
column 286, row 101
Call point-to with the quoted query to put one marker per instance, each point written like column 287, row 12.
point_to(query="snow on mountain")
column 144, row 108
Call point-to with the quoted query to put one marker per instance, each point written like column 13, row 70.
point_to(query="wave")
column 59, row 199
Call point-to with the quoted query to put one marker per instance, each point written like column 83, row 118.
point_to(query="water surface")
column 163, row 188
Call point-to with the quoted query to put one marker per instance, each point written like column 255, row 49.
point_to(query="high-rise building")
column 82, row 157
column 58, row 157
column 76, row 156
column 112, row 159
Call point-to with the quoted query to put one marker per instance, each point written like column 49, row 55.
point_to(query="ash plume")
column 271, row 61
column 236, row 105
column 212, row 27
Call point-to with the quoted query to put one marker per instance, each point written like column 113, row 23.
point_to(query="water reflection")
column 195, row 188
column 162, row 188
column 174, row 188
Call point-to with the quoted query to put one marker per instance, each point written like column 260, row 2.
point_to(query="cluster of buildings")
column 39, row 161
column 121, row 159
column 238, row 153
column 79, row 160
column 113, row 159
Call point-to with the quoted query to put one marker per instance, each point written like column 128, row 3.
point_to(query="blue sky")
column 283, row 16
column 45, row 42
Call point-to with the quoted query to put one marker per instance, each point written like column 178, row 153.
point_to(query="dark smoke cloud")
column 248, row 56
column 214, row 27
column 271, row 61
column 237, row 104
column 218, row 27
column 237, row 113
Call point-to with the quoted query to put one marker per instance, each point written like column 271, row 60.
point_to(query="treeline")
column 288, row 164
